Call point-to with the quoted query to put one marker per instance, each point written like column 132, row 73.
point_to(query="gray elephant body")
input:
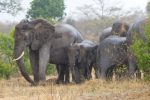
column 82, row 56
column 43, row 41
column 106, row 32
column 59, row 49
column 111, row 52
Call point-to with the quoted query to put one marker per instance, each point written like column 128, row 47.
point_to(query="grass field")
column 19, row 89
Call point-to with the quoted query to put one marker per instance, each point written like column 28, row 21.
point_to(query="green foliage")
column 141, row 50
column 50, row 69
column 6, row 70
column 7, row 67
column 10, row 6
column 46, row 9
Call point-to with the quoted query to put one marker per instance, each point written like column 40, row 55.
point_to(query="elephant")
column 46, row 43
column 59, row 50
column 82, row 56
column 136, row 31
column 119, row 28
column 111, row 52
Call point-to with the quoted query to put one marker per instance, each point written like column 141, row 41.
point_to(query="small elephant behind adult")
column 82, row 56
column 111, row 52
column 118, row 28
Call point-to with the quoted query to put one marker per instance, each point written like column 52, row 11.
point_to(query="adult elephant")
column 118, row 28
column 42, row 40
column 82, row 56
column 136, row 31
column 111, row 52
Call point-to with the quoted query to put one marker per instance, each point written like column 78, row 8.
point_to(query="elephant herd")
column 64, row 46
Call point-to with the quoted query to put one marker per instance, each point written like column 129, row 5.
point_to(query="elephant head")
column 120, row 28
column 32, row 34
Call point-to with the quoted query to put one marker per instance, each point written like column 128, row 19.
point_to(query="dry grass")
column 19, row 89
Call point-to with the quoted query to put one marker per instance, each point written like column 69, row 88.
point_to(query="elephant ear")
column 43, row 32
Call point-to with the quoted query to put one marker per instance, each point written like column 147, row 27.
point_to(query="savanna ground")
column 94, row 89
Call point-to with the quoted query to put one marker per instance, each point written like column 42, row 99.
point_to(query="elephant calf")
column 81, row 57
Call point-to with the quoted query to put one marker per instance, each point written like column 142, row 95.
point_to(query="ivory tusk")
column 19, row 56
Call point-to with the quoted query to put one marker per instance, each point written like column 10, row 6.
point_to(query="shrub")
column 7, row 67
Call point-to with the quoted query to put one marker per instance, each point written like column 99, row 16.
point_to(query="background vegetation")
column 90, row 23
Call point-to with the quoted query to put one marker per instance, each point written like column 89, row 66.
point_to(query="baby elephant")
column 111, row 52
column 81, row 57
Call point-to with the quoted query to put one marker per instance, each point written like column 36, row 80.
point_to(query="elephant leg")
column 77, row 75
column 72, row 69
column 67, row 76
column 60, row 78
column 34, row 60
column 44, row 54
column 89, row 71
column 109, row 73
column 103, row 73
column 132, row 66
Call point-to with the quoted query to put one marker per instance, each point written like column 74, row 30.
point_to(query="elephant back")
column 106, row 32
column 69, row 34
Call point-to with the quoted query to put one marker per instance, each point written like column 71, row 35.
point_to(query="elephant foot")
column 59, row 81
column 67, row 82
column 88, row 77
column 34, row 84
column 42, row 83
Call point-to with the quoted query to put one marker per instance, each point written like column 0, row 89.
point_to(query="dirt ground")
column 94, row 89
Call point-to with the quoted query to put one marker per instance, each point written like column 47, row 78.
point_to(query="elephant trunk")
column 19, row 60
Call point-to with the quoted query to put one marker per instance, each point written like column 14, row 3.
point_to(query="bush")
column 6, row 70
column 7, row 67
column 141, row 51
column 51, row 69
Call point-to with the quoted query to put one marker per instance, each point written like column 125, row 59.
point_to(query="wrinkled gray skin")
column 118, row 28
column 111, row 52
column 81, row 57
column 44, row 42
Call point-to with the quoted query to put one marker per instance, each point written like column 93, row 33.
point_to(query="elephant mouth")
column 18, row 58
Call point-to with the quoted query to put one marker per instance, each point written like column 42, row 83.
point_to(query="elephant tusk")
column 19, row 56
